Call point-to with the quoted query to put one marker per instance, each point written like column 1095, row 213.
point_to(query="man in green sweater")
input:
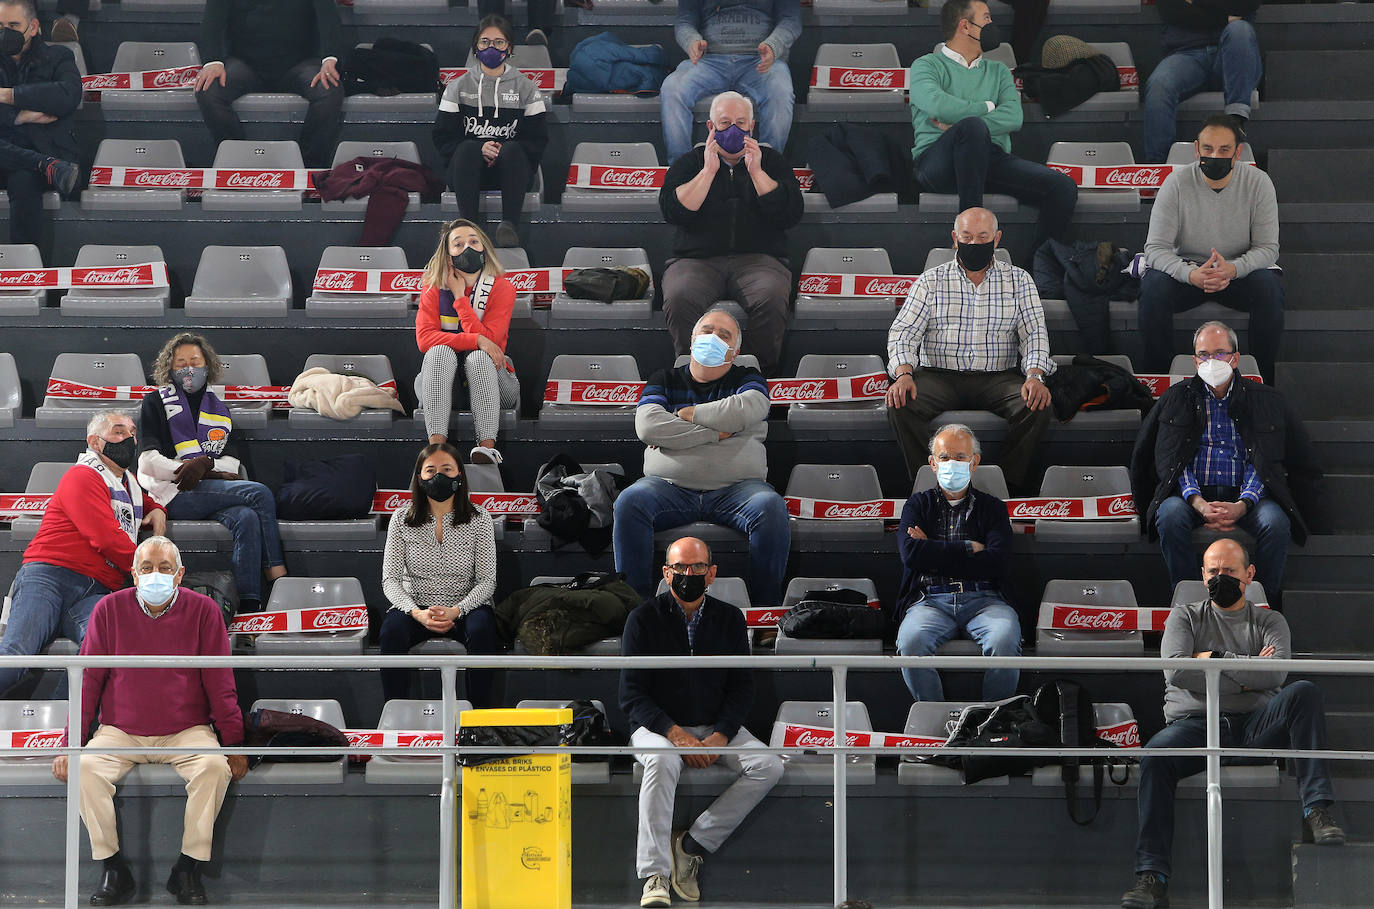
column 964, row 109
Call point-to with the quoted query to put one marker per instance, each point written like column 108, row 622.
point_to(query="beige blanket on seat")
column 338, row 397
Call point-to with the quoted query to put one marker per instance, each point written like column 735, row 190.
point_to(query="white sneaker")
column 685, row 868
column 656, row 892
column 480, row 454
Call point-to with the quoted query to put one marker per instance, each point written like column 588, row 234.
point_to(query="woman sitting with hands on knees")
column 439, row 571
column 464, row 315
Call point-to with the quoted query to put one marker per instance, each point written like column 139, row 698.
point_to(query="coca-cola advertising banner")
column 795, row 735
column 1118, row 176
column 326, row 618
column 605, row 176
column 151, row 80
column 780, row 391
column 35, row 738
column 1071, row 617
column 202, row 178
column 859, row 78
column 1088, row 508
column 23, row 505
column 384, row 281
column 1122, row 735
column 393, row 738
column 856, row 285
column 818, row 509
column 549, row 80
column 387, row 501
column 105, row 277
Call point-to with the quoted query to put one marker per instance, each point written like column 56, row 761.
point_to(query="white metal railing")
column 837, row 664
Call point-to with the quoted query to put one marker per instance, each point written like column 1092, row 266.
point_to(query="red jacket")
column 494, row 324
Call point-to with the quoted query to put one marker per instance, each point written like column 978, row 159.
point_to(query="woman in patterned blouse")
column 439, row 571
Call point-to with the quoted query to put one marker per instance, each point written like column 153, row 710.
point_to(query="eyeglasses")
column 498, row 43
column 693, row 568
column 1213, row 354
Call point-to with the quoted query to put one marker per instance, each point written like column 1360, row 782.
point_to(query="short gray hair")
column 155, row 542
column 731, row 96
column 955, row 427
column 1230, row 334
column 978, row 208
column 102, row 419
column 739, row 331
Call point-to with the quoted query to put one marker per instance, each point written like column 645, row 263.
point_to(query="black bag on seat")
column 218, row 586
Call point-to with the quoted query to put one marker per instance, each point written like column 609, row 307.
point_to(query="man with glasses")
column 693, row 710
column 1226, row 453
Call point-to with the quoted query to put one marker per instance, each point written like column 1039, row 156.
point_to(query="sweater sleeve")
column 787, row 27
column 448, row 124
column 732, row 414
column 1276, row 635
column 1006, row 117
column 930, row 98
column 636, row 693
column 1264, row 229
column 687, row 26
column 59, row 97
column 86, row 500
column 96, row 643
column 394, row 565
column 783, row 207
column 218, row 682
column 656, row 426
column 681, row 171
column 739, row 681
column 1161, row 242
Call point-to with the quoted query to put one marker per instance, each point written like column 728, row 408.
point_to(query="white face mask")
column 1214, row 372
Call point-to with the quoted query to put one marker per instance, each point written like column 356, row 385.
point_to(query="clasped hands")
column 438, row 619
column 684, row 739
column 1214, row 275
column 1220, row 516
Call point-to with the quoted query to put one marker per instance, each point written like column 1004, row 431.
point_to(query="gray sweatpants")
column 489, row 389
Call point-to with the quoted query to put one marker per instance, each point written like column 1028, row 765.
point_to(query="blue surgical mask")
column 155, row 588
column 953, row 476
column 708, row 350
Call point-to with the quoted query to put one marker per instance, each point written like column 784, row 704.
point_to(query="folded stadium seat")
column 834, row 8
column 376, row 367
column 133, row 301
column 591, row 368
column 632, row 7
column 796, row 591
column 347, row 151
column 11, row 396
column 535, row 536
column 421, row 767
column 515, row 258
column 332, row 305
column 583, row 772
column 154, row 6
column 99, row 369
column 612, row 154
column 246, row 369
column 835, row 483
column 815, row 202
column 844, row 416
column 934, row 719
column 866, row 56
column 1116, row 422
column 568, row 308
column 1183, row 365
column 1115, row 720
column 1078, row 482
column 466, row 428
column 32, row 767
column 22, row 256
column 255, row 154
column 237, row 281
column 487, row 478
column 801, row 768
column 300, row 774
column 1204, row 104
column 846, row 261
column 1098, row 154
column 149, row 56
column 150, row 153
column 1186, row 592
column 43, row 479
column 1094, row 6
column 1086, row 641
column 412, row 103
column 295, row 593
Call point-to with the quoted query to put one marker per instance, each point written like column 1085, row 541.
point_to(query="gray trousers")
column 489, row 390
column 759, row 283
column 758, row 774
column 939, row 390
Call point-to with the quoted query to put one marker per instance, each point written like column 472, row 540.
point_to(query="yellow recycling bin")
column 517, row 821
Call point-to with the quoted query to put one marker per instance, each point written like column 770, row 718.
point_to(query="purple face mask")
column 731, row 139
column 491, row 57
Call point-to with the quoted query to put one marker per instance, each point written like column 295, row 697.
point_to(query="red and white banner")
column 387, row 501
column 780, row 391
column 367, row 281
column 795, row 735
column 35, row 738
column 151, row 80
column 23, row 505
column 393, row 738
column 73, row 390
column 1122, row 735
column 821, row 510
column 856, row 285
column 1090, row 508
column 603, row 176
column 577, row 391
column 104, row 277
column 1119, row 176
column 859, row 78
column 326, row 618
column 203, row 178
column 549, row 80
column 1072, row 617
column 806, row 178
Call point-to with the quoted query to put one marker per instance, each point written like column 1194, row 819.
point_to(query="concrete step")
column 1354, row 493
column 1323, row 174
column 1308, row 74
column 1350, row 730
column 1325, row 280
column 1330, row 621
column 1327, row 391
column 1328, row 877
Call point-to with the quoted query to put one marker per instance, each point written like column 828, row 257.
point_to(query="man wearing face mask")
column 704, row 424
column 84, row 546
column 971, row 336
column 1258, row 711
column 156, row 708
column 964, row 109
column 1214, row 233
column 731, row 201
column 1226, row 453
column 955, row 545
column 693, row 710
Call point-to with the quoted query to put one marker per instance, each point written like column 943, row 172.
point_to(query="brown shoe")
column 64, row 31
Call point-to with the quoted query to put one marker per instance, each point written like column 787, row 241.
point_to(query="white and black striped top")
column 418, row 570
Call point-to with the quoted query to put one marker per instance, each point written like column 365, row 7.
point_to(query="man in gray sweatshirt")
column 1258, row 711
column 1214, row 233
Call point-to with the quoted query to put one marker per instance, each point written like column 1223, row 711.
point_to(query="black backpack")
column 218, row 586
column 391, row 66
column 1068, row 708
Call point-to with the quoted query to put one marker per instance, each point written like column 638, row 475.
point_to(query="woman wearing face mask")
column 490, row 128
column 184, row 433
column 464, row 316
column 439, row 571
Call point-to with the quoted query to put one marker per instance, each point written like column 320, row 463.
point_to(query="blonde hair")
column 437, row 271
column 162, row 366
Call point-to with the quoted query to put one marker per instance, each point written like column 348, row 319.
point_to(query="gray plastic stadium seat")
column 77, row 55
column 727, row 590
column 90, row 369
column 566, row 307
column 1195, row 592
column 399, row 6
column 987, row 478
column 1098, row 154
column 942, row 254
column 145, row 56
column 135, row 153
column 1105, row 716
column 157, row 6
column 134, row 301
column 797, row 588
column 376, row 367
column 487, row 478
column 583, row 772
column 33, row 768
column 835, row 483
column 1183, row 365
column 839, row 415
column 11, row 397
column 20, row 302
column 1073, row 642
column 846, row 261
column 1126, row 422
column 43, row 479
column 932, row 720
column 1086, row 481
column 439, row 647
column 616, row 154
column 515, row 258
column 234, row 281
column 328, row 304
column 280, row 773
column 347, row 151
column 535, row 536
column 802, row 769
column 412, row 716
column 247, row 369
column 291, row 593
column 415, row 103
column 256, row 154
column 930, row 202
column 1207, row 103
column 1184, row 153
column 872, row 56
column 591, row 367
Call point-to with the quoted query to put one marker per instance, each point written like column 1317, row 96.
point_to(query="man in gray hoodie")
column 1258, row 711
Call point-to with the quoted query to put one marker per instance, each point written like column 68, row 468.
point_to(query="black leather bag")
column 1011, row 723
column 827, row 619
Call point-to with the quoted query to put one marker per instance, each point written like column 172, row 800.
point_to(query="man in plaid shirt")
column 971, row 336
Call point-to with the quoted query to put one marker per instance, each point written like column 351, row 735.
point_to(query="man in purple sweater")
column 158, row 708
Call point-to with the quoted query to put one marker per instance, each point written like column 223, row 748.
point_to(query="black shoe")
column 185, row 885
column 506, row 236
column 61, row 175
column 116, row 886
column 1320, row 827
column 1149, row 892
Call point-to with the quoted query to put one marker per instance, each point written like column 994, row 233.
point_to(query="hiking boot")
column 1320, row 827
column 1149, row 892
column 656, row 892
column 61, row 175
column 685, row 868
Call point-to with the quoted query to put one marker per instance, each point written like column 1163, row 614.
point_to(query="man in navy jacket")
column 955, row 545
column 691, row 709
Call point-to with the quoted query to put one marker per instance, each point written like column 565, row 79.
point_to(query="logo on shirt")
column 485, row 129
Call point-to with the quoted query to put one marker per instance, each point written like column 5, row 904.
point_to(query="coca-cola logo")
column 424, row 740
column 43, row 740
column 812, row 738
column 524, row 280
column 250, row 180
column 22, row 504
column 174, row 78
column 510, row 504
column 1129, row 77
column 255, row 624
column 886, row 287
column 805, row 179
column 1051, row 508
column 611, row 394
column 646, row 179
column 1126, row 735
column 1133, row 176
column 64, row 390
column 1095, row 620
column 24, row 279
column 363, row 739
column 176, row 179
column 767, row 617
column 873, row 386
column 819, row 284
column 133, row 275
column 396, row 500
column 1121, row 505
column 406, row 281
column 340, row 618
column 1066, row 169
column 800, row 391
column 103, row 81
column 874, row 78
column 864, row 510
column 336, row 280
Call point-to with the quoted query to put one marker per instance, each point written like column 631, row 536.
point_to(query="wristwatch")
column 1037, row 376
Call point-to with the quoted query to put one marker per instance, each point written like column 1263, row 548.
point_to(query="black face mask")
column 441, row 487
column 689, row 587
column 975, row 256
column 11, row 42
column 121, row 454
column 989, row 38
column 470, row 261
column 1215, row 168
column 1223, row 590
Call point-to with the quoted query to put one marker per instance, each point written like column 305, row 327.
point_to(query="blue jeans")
column 1295, row 718
column 46, row 599
column 749, row 506
column 771, row 93
column 250, row 513
column 1267, row 523
column 983, row 616
column 966, row 161
column 1259, row 293
column 477, row 631
column 1232, row 67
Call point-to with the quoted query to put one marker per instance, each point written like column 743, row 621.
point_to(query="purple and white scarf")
column 126, row 496
column 449, row 320
column 194, row 435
